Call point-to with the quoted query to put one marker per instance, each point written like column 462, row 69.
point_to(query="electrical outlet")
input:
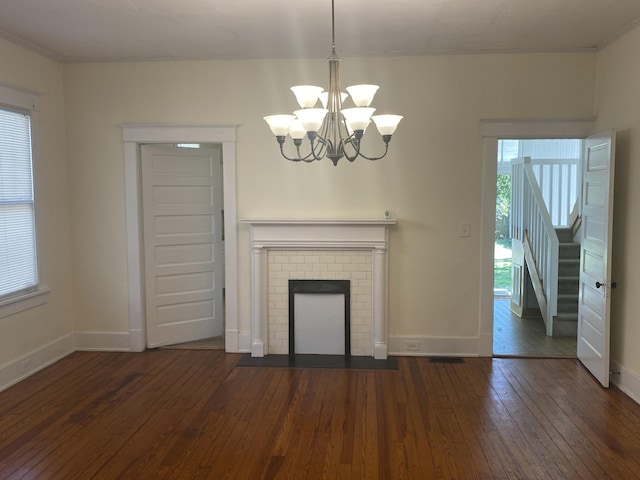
column 412, row 345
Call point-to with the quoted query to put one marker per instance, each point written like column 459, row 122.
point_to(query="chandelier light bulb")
column 306, row 95
column 387, row 124
column 362, row 95
column 357, row 118
column 279, row 124
column 297, row 130
column 311, row 118
column 324, row 97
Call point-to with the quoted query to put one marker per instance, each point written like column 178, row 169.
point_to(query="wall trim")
column 26, row 365
column 628, row 381
column 135, row 135
column 423, row 346
column 244, row 342
column 103, row 341
column 492, row 130
column 538, row 128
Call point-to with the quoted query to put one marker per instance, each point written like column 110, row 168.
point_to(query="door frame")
column 492, row 131
column 133, row 136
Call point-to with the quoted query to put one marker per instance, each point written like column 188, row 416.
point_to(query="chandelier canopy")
column 333, row 132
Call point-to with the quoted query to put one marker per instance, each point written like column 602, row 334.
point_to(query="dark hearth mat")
column 318, row 361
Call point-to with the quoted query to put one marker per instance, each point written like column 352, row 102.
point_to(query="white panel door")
column 595, row 257
column 182, row 212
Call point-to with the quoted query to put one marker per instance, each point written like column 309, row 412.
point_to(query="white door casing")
column 594, row 304
column 492, row 130
column 182, row 214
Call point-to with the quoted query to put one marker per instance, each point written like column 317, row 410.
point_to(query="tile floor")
column 525, row 336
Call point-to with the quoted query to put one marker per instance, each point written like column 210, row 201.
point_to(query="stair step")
column 569, row 250
column 565, row 325
column 568, row 267
column 564, row 234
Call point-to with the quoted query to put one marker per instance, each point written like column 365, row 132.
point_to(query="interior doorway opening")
column 520, row 326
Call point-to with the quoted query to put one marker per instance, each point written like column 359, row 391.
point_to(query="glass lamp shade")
column 297, row 130
column 362, row 95
column 357, row 118
column 311, row 118
column 325, row 95
column 279, row 124
column 387, row 124
column 306, row 95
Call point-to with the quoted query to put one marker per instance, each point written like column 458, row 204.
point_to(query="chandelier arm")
column 386, row 149
column 322, row 143
column 354, row 142
column 299, row 158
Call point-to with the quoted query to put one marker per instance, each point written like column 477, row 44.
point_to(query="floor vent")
column 446, row 360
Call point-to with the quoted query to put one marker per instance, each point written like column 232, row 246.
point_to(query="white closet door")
column 182, row 242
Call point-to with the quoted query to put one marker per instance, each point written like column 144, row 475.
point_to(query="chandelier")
column 332, row 131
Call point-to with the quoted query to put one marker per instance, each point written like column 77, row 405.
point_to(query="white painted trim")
column 244, row 342
column 358, row 234
column 435, row 346
column 29, row 101
column 13, row 96
column 24, row 302
column 538, row 128
column 30, row 363
column 492, row 130
column 628, row 381
column 103, row 341
column 134, row 135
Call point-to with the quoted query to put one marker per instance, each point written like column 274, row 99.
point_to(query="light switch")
column 465, row 230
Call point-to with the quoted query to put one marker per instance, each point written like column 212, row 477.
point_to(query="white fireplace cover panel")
column 319, row 323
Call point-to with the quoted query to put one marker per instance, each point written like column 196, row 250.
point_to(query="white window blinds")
column 18, row 257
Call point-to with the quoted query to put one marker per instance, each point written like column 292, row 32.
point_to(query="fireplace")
column 354, row 250
column 321, row 324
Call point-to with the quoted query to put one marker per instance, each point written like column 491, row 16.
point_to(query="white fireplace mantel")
column 319, row 234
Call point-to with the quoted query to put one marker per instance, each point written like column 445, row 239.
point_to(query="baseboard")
column 435, row 346
column 26, row 365
column 103, row 341
column 628, row 381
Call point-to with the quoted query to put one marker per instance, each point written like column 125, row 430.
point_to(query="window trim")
column 16, row 98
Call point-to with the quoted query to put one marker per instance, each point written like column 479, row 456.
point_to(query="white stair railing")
column 531, row 224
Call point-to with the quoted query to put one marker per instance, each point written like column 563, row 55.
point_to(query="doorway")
column 133, row 136
column 520, row 328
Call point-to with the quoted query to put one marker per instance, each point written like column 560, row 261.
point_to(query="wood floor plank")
column 180, row 414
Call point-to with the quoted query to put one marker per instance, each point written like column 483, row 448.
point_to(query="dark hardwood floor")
column 192, row 414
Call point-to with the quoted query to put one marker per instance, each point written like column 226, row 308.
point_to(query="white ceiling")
column 123, row 30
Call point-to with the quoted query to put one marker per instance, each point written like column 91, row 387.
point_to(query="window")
column 21, row 275
column 18, row 257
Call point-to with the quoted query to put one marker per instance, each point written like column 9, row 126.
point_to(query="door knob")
column 613, row 285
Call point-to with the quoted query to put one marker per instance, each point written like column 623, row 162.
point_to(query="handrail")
column 534, row 226
column 544, row 244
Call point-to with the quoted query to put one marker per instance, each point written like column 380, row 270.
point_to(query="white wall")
column 618, row 107
column 33, row 337
column 431, row 180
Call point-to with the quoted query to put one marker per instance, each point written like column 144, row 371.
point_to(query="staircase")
column 552, row 258
column 565, row 322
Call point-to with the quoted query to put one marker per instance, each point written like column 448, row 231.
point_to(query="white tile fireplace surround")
column 354, row 250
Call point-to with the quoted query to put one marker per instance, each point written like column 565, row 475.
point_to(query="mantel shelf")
column 320, row 221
